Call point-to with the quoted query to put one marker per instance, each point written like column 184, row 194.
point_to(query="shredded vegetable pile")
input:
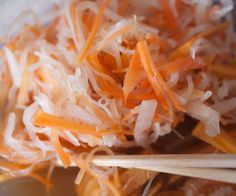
column 109, row 75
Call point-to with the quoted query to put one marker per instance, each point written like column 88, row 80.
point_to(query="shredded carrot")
column 93, row 33
column 100, row 113
column 22, row 97
column 50, row 36
column 114, row 35
column 94, row 61
column 158, row 40
column 181, row 65
column 132, row 76
column 73, row 20
column 88, row 18
column 156, row 80
column 184, row 48
column 171, row 21
column 212, row 31
column 64, row 157
column 141, row 96
column 44, row 119
column 107, row 60
column 223, row 141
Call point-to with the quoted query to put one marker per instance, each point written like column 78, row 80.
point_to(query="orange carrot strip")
column 213, row 30
column 132, row 76
column 181, row 65
column 73, row 20
column 49, row 32
column 93, row 33
column 64, row 157
column 157, row 40
column 141, row 96
column 22, row 97
column 223, row 141
column 88, row 18
column 183, row 49
column 171, row 21
column 159, row 86
column 99, row 66
column 44, row 119
column 99, row 112
column 94, row 61
column 147, row 63
column 114, row 36
column 111, row 92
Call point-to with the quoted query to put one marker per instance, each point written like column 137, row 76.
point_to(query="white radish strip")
column 11, row 123
column 225, row 106
column 76, row 112
column 209, row 117
column 14, row 67
column 144, row 121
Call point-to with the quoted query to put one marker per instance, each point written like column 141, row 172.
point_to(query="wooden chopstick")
column 223, row 175
column 177, row 161
column 205, row 166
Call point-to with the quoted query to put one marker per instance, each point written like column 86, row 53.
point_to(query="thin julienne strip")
column 48, row 120
column 156, row 80
column 96, row 25
column 132, row 75
column 65, row 157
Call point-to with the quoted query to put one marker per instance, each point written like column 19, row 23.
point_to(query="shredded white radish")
column 225, row 106
column 200, row 45
column 90, row 140
column 115, row 32
column 144, row 121
column 31, row 129
column 45, row 103
column 205, row 81
column 201, row 10
column 197, row 29
column 14, row 67
column 160, row 130
column 93, row 7
column 78, row 113
column 109, row 140
column 227, row 6
column 71, row 138
column 188, row 93
column 174, row 77
column 209, row 117
column 223, row 91
column 11, row 124
column 73, row 30
column 206, row 96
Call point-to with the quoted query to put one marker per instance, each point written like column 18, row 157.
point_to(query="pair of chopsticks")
column 219, row 167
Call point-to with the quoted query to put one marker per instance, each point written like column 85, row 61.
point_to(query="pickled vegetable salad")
column 114, row 74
